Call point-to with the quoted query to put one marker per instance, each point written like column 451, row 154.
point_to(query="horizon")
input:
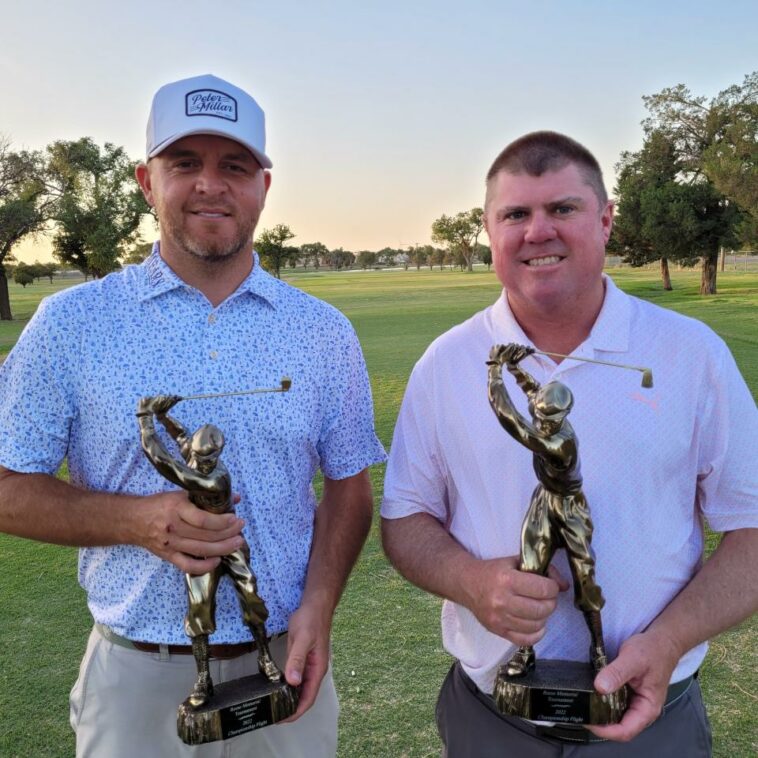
column 380, row 118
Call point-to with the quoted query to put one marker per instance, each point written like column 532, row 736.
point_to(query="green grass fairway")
column 388, row 656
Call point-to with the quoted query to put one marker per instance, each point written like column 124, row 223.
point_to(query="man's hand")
column 511, row 603
column 645, row 662
column 307, row 655
column 170, row 526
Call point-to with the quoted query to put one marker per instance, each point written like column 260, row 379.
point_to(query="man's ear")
column 142, row 175
column 606, row 220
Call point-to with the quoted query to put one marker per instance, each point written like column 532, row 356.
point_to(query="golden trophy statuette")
column 558, row 517
column 216, row 712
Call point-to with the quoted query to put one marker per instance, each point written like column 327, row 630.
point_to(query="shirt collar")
column 610, row 332
column 157, row 277
column 613, row 324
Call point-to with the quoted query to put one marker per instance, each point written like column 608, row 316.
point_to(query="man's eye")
column 184, row 164
column 236, row 168
column 514, row 215
column 564, row 210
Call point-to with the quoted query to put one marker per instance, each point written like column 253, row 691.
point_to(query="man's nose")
column 540, row 228
column 210, row 182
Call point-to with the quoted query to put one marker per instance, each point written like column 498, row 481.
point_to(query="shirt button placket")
column 212, row 339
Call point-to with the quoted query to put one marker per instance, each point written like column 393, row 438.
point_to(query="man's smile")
column 210, row 213
column 545, row 260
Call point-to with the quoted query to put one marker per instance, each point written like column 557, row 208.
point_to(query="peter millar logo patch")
column 211, row 102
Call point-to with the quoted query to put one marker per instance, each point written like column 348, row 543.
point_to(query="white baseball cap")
column 206, row 105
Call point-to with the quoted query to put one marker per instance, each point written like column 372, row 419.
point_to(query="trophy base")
column 559, row 691
column 236, row 707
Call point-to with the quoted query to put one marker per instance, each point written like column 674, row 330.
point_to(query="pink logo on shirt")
column 646, row 399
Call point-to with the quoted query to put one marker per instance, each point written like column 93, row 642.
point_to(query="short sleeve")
column 348, row 442
column 727, row 485
column 415, row 481
column 36, row 406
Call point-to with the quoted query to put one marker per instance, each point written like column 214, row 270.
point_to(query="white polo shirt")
column 655, row 462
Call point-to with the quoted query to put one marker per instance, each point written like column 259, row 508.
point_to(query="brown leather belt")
column 224, row 651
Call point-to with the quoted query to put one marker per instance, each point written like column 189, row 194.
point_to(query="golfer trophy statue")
column 558, row 517
column 226, row 710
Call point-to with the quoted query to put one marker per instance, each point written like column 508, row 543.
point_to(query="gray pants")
column 124, row 705
column 471, row 727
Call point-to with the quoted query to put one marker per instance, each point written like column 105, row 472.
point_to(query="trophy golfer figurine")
column 203, row 718
column 558, row 517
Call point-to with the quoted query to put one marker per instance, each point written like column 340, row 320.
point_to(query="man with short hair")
column 655, row 463
column 199, row 316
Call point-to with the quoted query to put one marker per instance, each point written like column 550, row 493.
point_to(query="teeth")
column 206, row 214
column 546, row 261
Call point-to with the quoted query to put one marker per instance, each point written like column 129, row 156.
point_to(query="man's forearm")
column 41, row 507
column 343, row 519
column 425, row 553
column 720, row 595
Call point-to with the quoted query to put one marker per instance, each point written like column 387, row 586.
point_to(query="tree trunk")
column 708, row 277
column 5, row 301
column 723, row 258
column 665, row 275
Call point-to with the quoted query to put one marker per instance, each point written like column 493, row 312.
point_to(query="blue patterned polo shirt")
column 70, row 388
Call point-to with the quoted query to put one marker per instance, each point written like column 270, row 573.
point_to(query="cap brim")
column 262, row 158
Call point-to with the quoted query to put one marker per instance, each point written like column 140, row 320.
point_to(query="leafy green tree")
column 418, row 255
column 651, row 207
column 99, row 206
column 313, row 252
column 387, row 256
column 23, row 275
column 294, row 256
column 714, row 144
column 272, row 248
column 484, row 254
column 437, row 257
column 366, row 259
column 339, row 259
column 39, row 270
column 24, row 207
column 459, row 233
column 456, row 257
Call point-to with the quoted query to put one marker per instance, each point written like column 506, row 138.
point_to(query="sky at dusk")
column 381, row 116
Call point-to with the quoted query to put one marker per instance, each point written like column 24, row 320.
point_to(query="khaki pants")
column 124, row 704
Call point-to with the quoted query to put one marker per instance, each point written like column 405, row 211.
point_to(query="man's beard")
column 215, row 252
column 209, row 251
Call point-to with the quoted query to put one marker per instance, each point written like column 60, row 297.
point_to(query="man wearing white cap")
column 198, row 316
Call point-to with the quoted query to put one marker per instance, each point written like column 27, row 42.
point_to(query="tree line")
column 83, row 197
column 691, row 191
column 276, row 254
